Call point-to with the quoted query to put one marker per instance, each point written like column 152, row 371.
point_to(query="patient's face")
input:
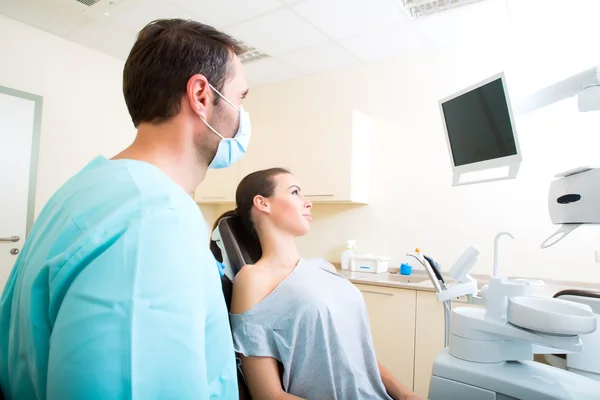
column 290, row 211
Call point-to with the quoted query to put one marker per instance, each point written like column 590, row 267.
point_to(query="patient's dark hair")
column 258, row 183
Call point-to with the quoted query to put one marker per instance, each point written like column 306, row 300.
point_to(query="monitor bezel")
column 512, row 161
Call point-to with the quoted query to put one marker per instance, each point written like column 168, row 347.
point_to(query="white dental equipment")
column 491, row 348
column 573, row 200
column 585, row 85
column 216, row 237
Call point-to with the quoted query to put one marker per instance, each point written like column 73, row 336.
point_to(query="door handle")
column 13, row 239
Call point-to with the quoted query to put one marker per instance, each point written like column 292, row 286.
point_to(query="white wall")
column 413, row 203
column 84, row 112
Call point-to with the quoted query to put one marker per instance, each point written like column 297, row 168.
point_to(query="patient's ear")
column 262, row 204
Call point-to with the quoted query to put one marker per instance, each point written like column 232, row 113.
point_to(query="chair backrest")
column 586, row 362
column 241, row 249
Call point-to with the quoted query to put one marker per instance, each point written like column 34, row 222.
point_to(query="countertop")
column 419, row 280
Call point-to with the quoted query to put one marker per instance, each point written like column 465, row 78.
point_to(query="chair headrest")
column 241, row 247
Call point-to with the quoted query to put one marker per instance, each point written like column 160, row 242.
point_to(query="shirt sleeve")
column 132, row 321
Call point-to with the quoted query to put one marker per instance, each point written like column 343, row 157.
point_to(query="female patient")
column 298, row 314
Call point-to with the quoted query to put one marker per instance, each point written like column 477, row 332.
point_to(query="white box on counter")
column 369, row 263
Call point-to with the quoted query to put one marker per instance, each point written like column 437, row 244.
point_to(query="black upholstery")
column 241, row 249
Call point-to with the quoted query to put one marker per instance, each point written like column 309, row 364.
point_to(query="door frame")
column 35, row 148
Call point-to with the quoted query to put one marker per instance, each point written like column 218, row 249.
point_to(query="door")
column 20, row 117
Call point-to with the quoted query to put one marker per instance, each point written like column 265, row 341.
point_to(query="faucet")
column 500, row 234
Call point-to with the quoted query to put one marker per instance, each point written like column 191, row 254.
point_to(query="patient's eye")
column 295, row 192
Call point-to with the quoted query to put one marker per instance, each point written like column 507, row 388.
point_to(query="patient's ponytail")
column 259, row 183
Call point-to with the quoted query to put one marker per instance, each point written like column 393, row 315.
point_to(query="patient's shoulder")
column 322, row 263
column 250, row 285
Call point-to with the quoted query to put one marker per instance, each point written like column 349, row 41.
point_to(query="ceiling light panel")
column 420, row 8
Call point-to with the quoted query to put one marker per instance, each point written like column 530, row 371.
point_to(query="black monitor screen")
column 478, row 125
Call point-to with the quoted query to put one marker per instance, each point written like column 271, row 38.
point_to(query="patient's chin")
column 302, row 230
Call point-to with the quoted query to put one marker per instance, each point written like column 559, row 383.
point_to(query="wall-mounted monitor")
column 480, row 133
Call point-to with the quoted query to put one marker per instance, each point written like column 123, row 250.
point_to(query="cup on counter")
column 405, row 269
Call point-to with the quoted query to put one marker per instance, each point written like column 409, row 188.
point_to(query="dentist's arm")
column 394, row 388
column 130, row 324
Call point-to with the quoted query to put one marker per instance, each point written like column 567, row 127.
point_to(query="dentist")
column 116, row 294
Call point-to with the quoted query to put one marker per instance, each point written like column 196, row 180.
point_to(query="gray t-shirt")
column 315, row 324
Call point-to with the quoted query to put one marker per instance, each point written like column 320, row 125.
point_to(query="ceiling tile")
column 384, row 43
column 43, row 15
column 267, row 71
column 136, row 14
column 474, row 24
column 278, row 33
column 224, row 13
column 344, row 18
column 319, row 58
column 573, row 23
column 104, row 37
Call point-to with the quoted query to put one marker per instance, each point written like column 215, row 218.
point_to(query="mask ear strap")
column 224, row 98
column 211, row 128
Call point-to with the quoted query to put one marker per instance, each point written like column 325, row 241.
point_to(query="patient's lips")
column 308, row 216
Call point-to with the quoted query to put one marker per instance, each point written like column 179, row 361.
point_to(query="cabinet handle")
column 374, row 292
column 212, row 197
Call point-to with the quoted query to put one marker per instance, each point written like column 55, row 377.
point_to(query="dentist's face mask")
column 232, row 149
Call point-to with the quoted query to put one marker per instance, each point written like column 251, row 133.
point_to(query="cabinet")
column 429, row 335
column 392, row 319
column 218, row 186
column 430, row 338
column 331, row 156
column 326, row 146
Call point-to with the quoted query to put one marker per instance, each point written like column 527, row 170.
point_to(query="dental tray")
column 550, row 315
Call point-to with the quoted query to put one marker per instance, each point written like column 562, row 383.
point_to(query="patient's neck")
column 278, row 249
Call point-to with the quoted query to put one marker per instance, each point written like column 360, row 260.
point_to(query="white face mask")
column 232, row 149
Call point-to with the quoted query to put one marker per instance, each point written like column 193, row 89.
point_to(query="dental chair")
column 234, row 247
column 586, row 362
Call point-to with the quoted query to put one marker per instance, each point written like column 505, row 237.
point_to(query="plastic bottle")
column 346, row 254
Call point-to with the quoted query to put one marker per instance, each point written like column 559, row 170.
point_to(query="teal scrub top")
column 116, row 295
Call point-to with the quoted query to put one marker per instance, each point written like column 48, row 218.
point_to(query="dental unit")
column 489, row 349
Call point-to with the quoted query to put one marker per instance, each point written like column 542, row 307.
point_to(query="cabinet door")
column 218, row 186
column 429, row 337
column 392, row 319
column 269, row 146
column 321, row 145
column 271, row 132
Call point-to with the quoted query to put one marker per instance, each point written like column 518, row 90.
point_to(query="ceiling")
column 300, row 36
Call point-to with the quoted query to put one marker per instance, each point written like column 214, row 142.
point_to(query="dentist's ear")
column 262, row 204
column 198, row 94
